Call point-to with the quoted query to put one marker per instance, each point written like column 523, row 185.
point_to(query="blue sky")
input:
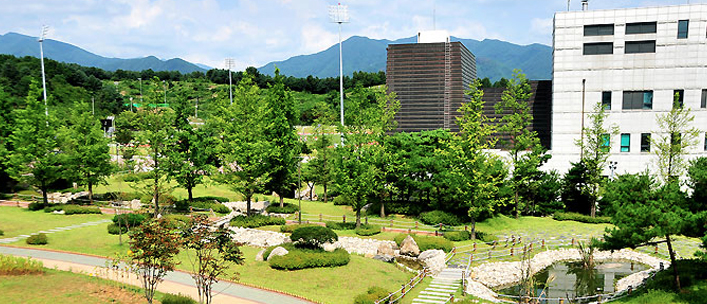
column 257, row 32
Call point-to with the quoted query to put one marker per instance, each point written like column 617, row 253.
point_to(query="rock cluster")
column 257, row 207
column 258, row 238
column 365, row 247
column 434, row 260
column 409, row 247
column 63, row 198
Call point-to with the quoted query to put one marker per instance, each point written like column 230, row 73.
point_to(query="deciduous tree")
column 676, row 136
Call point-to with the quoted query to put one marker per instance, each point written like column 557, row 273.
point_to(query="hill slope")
column 21, row 45
column 494, row 58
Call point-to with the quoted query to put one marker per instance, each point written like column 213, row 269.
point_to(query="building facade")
column 429, row 79
column 633, row 61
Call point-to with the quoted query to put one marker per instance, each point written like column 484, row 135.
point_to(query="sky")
column 255, row 33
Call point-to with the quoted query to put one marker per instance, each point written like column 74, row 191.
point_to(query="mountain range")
column 494, row 58
column 21, row 45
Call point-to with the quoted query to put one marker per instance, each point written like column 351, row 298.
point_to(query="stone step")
column 447, row 286
column 434, row 293
column 432, row 297
column 418, row 301
column 442, row 290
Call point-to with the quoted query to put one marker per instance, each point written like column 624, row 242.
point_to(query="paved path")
column 175, row 281
column 443, row 285
column 53, row 230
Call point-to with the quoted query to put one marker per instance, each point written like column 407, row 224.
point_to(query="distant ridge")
column 494, row 59
column 21, row 45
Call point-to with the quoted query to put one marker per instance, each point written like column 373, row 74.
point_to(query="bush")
column 136, row 177
column 288, row 246
column 368, row 230
column 10, row 265
column 427, row 242
column 301, row 259
column 201, row 203
column 37, row 239
column 36, row 206
column 571, row 216
column 340, row 225
column 219, row 199
column 177, row 299
column 115, row 229
column 457, row 236
column 340, row 201
column 291, row 228
column 130, row 219
column 256, row 220
column 2, row 232
column 313, row 236
column 73, row 209
column 438, row 216
column 371, row 296
column 287, row 208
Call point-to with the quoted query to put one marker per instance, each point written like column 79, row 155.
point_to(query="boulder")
column 278, row 251
column 384, row 258
column 330, row 247
column 409, row 247
column 433, row 260
column 259, row 256
column 385, row 249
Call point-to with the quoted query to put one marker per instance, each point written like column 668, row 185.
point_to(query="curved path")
column 175, row 282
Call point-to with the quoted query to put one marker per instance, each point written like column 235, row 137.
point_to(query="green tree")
column 210, row 252
column 523, row 145
column 34, row 154
column 279, row 130
column 474, row 172
column 154, row 244
column 357, row 176
column 676, row 137
column 320, row 168
column 243, row 150
column 86, row 149
column 596, row 147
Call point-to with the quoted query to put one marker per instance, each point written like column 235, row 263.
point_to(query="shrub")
column 10, row 265
column 136, row 177
column 202, row 203
column 213, row 205
column 340, row 201
column 73, row 209
column 340, row 225
column 301, row 259
column 220, row 199
column 287, row 208
column 571, row 216
column 457, row 236
column 177, row 299
column 115, row 229
column 2, row 232
column 288, row 246
column 313, row 236
column 368, row 230
column 290, row 228
column 256, row 220
column 36, row 206
column 427, row 242
column 37, row 239
column 371, row 296
column 129, row 219
column 438, row 216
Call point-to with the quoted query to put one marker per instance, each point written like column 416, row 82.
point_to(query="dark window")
column 705, row 141
column 645, row 142
column 599, row 29
column 683, row 25
column 606, row 100
column 601, row 48
column 625, row 142
column 678, row 96
column 605, row 142
column 638, row 47
column 641, row 28
column 703, row 102
column 638, row 100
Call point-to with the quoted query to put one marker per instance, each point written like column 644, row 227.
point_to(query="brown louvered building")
column 429, row 79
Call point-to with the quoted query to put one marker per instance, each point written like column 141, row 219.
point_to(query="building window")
column 605, row 142
column 599, row 30
column 705, row 141
column 638, row 100
column 601, row 48
column 640, row 47
column 625, row 142
column 703, row 102
column 683, row 25
column 645, row 142
column 641, row 28
column 678, row 96
column 606, row 100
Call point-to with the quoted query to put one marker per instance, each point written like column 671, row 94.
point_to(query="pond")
column 570, row 279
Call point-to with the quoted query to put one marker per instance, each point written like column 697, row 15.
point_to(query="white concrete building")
column 633, row 60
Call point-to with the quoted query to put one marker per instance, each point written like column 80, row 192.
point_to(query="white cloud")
column 315, row 38
column 541, row 26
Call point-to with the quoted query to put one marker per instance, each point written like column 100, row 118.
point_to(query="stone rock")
column 385, row 249
column 409, row 247
column 329, row 247
column 259, row 256
column 433, row 260
column 278, row 251
column 384, row 258
column 135, row 204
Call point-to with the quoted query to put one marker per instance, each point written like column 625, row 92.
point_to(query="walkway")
column 443, row 285
column 58, row 229
column 175, row 281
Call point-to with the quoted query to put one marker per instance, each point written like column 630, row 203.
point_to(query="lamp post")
column 164, row 85
column 340, row 14
column 229, row 65
column 299, row 189
column 612, row 167
column 41, row 60
column 140, row 79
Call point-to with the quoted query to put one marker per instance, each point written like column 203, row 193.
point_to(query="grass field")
column 18, row 221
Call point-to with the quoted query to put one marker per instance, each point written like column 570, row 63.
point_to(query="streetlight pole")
column 140, row 79
column 41, row 60
column 340, row 14
column 164, row 85
column 299, row 189
column 229, row 65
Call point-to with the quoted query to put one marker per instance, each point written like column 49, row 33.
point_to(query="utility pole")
column 340, row 14
column 229, row 65
column 41, row 60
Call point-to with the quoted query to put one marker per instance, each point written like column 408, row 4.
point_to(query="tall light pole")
column 164, row 85
column 229, row 65
column 340, row 14
column 139, row 79
column 41, row 60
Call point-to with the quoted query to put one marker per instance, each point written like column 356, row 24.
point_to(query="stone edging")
column 498, row 274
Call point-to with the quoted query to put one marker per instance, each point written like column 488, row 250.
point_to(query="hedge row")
column 206, row 203
column 73, row 209
column 291, row 228
column 36, row 206
column 301, row 259
column 364, row 230
column 130, row 219
column 438, row 216
column 256, row 220
column 10, row 265
column 177, row 299
column 371, row 296
column 571, row 216
column 427, row 242
column 287, row 208
column 458, row 236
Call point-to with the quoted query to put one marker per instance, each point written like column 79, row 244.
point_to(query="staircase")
column 443, row 285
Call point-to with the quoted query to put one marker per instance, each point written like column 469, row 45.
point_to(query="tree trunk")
column 672, row 262
column 311, row 191
column 247, row 204
column 473, row 228
column 90, row 192
column 358, row 218
column 156, row 197
column 325, row 198
column 282, row 200
column 189, row 191
column 382, row 207
column 44, row 193
column 517, row 202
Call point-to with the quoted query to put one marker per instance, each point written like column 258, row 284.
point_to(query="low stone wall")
column 499, row 274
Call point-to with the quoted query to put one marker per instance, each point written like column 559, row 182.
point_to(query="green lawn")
column 17, row 221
